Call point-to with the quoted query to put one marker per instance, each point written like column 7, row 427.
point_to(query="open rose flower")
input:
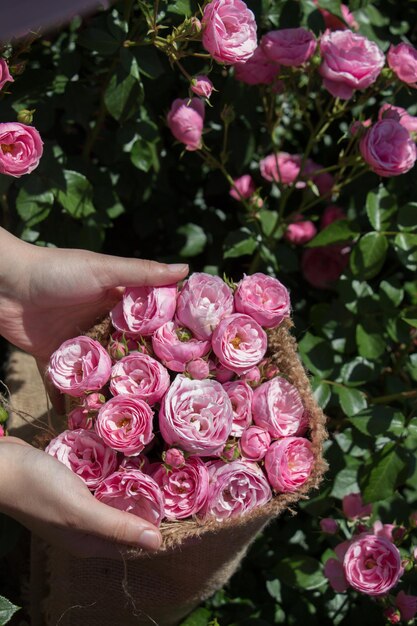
column 402, row 59
column 229, row 31
column 264, row 298
column 399, row 114
column 135, row 492
column 323, row 266
column 125, row 424
column 258, row 70
column 196, row 416
column 239, row 342
column 5, row 76
column 289, row 46
column 354, row 507
column 186, row 122
column 288, row 463
column 176, row 346
column 140, row 375
column 240, row 395
column 254, row 443
column 21, row 148
column 388, row 148
column 144, row 309
column 333, row 568
column 282, row 168
column 85, row 454
column 243, row 188
column 277, row 407
column 79, row 365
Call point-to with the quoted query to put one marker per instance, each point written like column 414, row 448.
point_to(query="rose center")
column 7, row 148
column 370, row 564
column 236, row 342
column 124, row 422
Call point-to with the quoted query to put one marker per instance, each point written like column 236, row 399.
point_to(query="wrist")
column 16, row 257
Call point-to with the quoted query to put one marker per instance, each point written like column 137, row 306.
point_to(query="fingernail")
column 178, row 268
column 150, row 540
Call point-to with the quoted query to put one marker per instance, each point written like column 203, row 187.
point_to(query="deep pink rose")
column 196, row 416
column 258, row 70
column 79, row 365
column 289, row 46
column 277, row 407
column 407, row 605
column 254, row 443
column 139, row 375
column 243, row 188
column 85, row 454
column 264, row 298
column 322, row 266
column 350, row 62
column 329, row 525
column 229, row 31
column 144, row 309
column 21, row 148
column 288, row 463
column 239, row 342
column 335, row 23
column 202, row 86
column 2, row 433
column 203, row 301
column 174, row 457
column 186, row 121
column 300, row 231
column 331, row 214
column 176, row 346
column 134, row 492
column 399, row 114
column 353, row 506
column 198, row 369
column 240, row 395
column 5, row 76
column 184, row 489
column 281, row 167
column 235, row 488
column 388, row 148
column 125, row 424
column 372, row 565
column 402, row 59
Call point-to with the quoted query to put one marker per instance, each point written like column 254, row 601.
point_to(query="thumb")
column 114, row 271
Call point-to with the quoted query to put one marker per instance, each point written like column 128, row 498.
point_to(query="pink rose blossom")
column 252, row 376
column 281, row 167
column 331, row 214
column 202, row 86
column 198, row 369
column 277, row 407
column 144, row 309
column 240, row 395
column 21, row 148
column 186, row 122
column 353, row 506
column 235, row 488
column 2, row 433
column 184, row 489
column 176, row 346
column 196, row 416
column 5, row 76
column 125, row 424
column 120, row 345
column 332, row 22
column 300, row 231
column 407, row 605
column 229, row 31
column 329, row 526
column 288, row 463
column 264, row 298
column 219, row 372
column 258, row 70
column 85, row 454
column 140, row 375
column 174, row 457
column 392, row 615
column 135, row 492
column 139, row 462
column 322, row 266
column 243, row 188
column 334, row 572
column 79, row 365
column 372, row 565
column 389, row 111
column 80, row 417
column 350, row 62
column 402, row 59
column 203, row 301
column 291, row 47
column 254, row 443
column 388, row 148
column 239, row 342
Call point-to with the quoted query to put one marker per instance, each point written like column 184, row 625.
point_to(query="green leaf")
column 268, row 221
column 339, row 231
column 346, row 481
column 148, row 61
column 124, row 94
column 379, row 420
column 368, row 255
column 317, row 355
column 196, row 239
column 239, row 243
column 352, row 401
column 391, row 293
column 199, row 617
column 407, row 217
column 182, row 7
column 7, row 610
column 100, row 41
column 381, row 473
column 34, row 201
column 357, row 372
column 301, row 572
column 380, row 207
column 144, row 155
column 406, row 248
column 370, row 345
column 77, row 196
column 321, row 392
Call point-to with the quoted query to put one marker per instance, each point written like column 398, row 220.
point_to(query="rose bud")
column 174, row 458
column 252, row 376
column 139, row 462
column 402, row 59
column 125, row 424
column 258, row 70
column 277, row 407
column 186, row 122
column 140, row 375
column 21, row 149
column 219, row 372
column 300, row 231
column 388, row 149
column 230, row 451
column 407, row 605
column 288, row 463
column 5, row 76
column 353, row 506
column 144, row 309
column 329, row 526
column 392, row 615
column 80, row 417
column 240, row 395
column 202, row 86
column 264, row 298
column 291, row 47
column 176, row 346
column 239, row 342
column 399, row 114
column 198, row 369
column 413, row 519
column 268, row 369
column 243, row 188
column 254, row 443
column 281, row 168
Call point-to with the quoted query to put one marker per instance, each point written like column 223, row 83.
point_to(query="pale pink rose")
column 288, row 463
column 372, row 565
column 176, row 346
column 79, row 365
column 258, row 70
column 332, row 22
column 229, row 31
column 264, row 298
column 239, row 342
column 277, row 407
column 243, row 188
column 322, row 266
column 353, row 506
column 196, row 416
column 289, row 46
column 184, row 489
column 174, row 457
column 254, row 443
column 331, row 214
column 186, row 122
column 139, row 462
column 125, row 424
column 402, row 59
column 5, row 76
column 252, row 376
column 85, row 454
column 399, row 114
column 300, row 231
column 202, row 86
column 139, row 375
column 323, row 181
column 407, row 605
column 135, row 492
column 219, row 372
column 388, row 149
column 329, row 525
column 281, row 167
column 202, row 302
column 144, row 309
column 240, row 395
column 198, row 369
column 80, row 417
column 349, row 62
column 235, row 488
column 334, row 572
column 21, row 148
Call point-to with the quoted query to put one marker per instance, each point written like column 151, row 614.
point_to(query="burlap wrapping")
column 196, row 559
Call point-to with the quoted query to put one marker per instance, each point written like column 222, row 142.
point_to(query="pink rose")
column 203, row 301
column 353, row 506
column 258, row 70
column 252, row 376
column 331, row 214
column 392, row 615
column 139, row 462
column 120, row 346
column 80, row 417
column 388, row 149
column 281, row 167
column 254, row 443
column 139, row 375
column 85, row 454
column 2, row 433
column 219, row 372
column 186, row 122
column 243, row 188
column 196, row 415
column 174, row 458
column 134, row 492
column 300, row 231
column 289, row 46
column 389, row 111
column 359, row 126
column 277, row 407
column 350, row 62
column 288, row 463
column 333, row 22
column 21, row 148
column 333, row 569
column 125, row 424
column 240, row 395
column 239, row 342
column 388, row 531
column 176, row 346
column 329, row 526
column 235, row 488
column 407, row 605
column 322, row 266
column 264, row 298
column 198, row 369
column 202, row 86
column 144, row 309
column 229, row 31
column 5, row 76
column 184, row 489
column 79, row 365
column 402, row 59
column 372, row 565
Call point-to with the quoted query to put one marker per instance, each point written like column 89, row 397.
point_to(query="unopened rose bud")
column 174, row 458
column 407, row 564
column 254, row 443
column 230, row 451
column 392, row 615
column 398, row 534
column 117, row 349
column 94, row 401
column 18, row 68
column 329, row 526
column 195, row 25
column 4, row 416
column 227, row 114
column 198, row 369
column 252, row 376
column 25, row 116
column 202, row 86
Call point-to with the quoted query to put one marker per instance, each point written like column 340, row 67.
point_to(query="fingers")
column 115, row 271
